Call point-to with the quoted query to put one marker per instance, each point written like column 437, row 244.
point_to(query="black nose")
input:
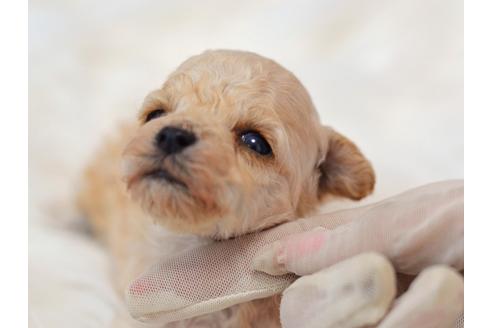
column 171, row 140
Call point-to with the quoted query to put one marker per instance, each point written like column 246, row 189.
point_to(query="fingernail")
column 281, row 255
column 271, row 260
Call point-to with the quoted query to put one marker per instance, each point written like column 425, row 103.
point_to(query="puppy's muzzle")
column 172, row 140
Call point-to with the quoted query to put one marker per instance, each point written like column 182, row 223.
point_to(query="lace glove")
column 414, row 230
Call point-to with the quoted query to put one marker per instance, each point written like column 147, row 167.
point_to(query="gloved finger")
column 311, row 251
column 296, row 253
column 352, row 293
column 434, row 299
column 408, row 229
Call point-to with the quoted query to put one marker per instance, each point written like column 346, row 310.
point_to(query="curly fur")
column 226, row 189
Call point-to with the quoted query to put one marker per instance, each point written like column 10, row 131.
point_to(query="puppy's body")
column 229, row 145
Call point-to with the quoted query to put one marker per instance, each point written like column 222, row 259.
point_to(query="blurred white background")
column 387, row 73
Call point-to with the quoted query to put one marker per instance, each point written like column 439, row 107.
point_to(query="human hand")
column 419, row 232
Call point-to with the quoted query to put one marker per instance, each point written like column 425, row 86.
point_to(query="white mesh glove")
column 416, row 229
column 419, row 232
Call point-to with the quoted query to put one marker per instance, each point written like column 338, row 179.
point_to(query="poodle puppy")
column 230, row 144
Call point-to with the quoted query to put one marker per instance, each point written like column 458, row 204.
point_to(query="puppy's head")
column 232, row 143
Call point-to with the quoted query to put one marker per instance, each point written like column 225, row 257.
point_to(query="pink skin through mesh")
column 301, row 245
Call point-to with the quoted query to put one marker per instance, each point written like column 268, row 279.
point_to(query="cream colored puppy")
column 230, row 144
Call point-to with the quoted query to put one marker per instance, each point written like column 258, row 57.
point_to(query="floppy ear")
column 344, row 171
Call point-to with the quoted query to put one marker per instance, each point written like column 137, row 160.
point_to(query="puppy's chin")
column 174, row 199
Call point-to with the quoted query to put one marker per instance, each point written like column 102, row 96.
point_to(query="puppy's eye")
column 256, row 142
column 154, row 114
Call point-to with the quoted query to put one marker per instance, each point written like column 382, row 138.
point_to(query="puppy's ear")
column 344, row 170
